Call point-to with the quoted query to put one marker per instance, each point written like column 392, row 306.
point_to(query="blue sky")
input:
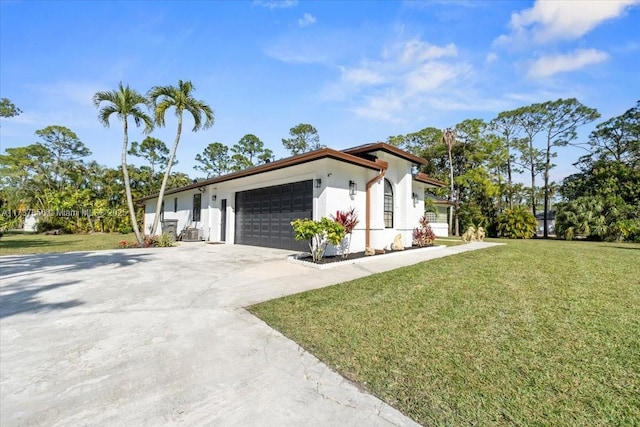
column 357, row 71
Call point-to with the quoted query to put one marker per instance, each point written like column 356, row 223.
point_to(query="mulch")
column 355, row 255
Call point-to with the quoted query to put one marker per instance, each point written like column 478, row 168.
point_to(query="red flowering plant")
column 423, row 235
column 348, row 219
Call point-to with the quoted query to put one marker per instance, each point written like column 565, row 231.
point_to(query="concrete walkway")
column 160, row 337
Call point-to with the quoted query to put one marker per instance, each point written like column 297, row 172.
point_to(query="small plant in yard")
column 123, row 244
column 164, row 241
column 423, row 235
column 517, row 223
column 348, row 219
column 318, row 234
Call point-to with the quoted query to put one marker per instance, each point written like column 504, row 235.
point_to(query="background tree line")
column 482, row 163
column 53, row 178
column 218, row 159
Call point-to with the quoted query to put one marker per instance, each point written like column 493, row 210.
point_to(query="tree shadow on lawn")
column 637, row 248
column 33, row 243
column 18, row 265
column 25, row 298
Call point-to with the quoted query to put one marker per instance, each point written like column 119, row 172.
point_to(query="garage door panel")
column 263, row 215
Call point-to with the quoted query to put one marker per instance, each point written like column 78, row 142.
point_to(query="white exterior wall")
column 441, row 229
column 184, row 213
column 335, row 197
column 227, row 190
column 399, row 175
column 30, row 223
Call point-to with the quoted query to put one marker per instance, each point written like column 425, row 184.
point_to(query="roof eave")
column 279, row 164
column 426, row 179
column 381, row 146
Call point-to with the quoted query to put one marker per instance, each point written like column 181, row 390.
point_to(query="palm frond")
column 180, row 98
column 104, row 114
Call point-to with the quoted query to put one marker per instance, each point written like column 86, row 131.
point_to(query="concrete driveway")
column 160, row 337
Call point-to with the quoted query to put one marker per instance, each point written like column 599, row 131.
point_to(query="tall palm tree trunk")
column 532, row 164
column 545, row 232
column 451, row 181
column 509, row 179
column 127, row 185
column 165, row 179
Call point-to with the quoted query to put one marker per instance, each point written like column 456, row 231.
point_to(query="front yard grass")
column 531, row 333
column 23, row 244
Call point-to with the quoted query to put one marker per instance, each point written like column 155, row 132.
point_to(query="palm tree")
column 124, row 102
column 161, row 99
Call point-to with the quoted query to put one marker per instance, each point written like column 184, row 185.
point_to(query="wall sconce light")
column 318, row 183
column 201, row 189
column 214, row 197
column 414, row 197
column 353, row 188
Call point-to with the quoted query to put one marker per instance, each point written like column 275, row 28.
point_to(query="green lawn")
column 22, row 244
column 531, row 333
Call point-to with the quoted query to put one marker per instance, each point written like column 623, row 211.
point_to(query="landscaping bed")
column 355, row 255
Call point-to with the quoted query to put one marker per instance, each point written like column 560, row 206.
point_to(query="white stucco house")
column 255, row 206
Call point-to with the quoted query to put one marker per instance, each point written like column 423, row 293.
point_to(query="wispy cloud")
column 491, row 57
column 299, row 53
column 561, row 20
column 306, row 20
column 547, row 66
column 275, row 4
column 400, row 80
column 311, row 47
column 362, row 76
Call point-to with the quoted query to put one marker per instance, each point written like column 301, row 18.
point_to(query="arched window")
column 388, row 204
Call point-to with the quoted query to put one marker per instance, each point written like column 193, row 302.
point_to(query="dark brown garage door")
column 263, row 215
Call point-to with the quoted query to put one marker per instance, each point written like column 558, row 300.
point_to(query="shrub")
column 348, row 220
column 517, row 223
column 44, row 226
column 318, row 234
column 598, row 218
column 125, row 229
column 164, row 240
column 423, row 235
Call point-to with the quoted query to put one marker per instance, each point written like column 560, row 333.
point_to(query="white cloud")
column 416, row 51
column 549, row 65
column 382, row 107
column 400, row 81
column 433, row 75
column 275, row 4
column 558, row 20
column 306, row 20
column 298, row 53
column 491, row 57
column 362, row 76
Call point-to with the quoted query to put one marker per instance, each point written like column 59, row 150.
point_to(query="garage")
column 263, row 215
